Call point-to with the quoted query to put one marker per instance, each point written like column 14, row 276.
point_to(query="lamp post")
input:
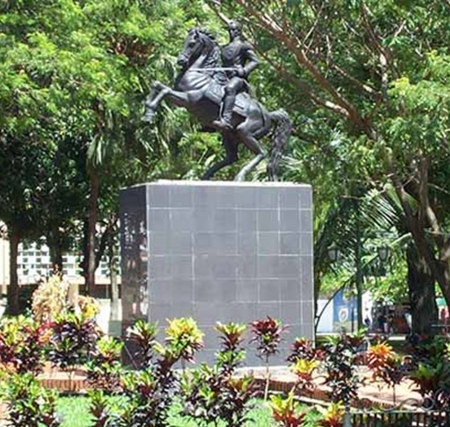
column 334, row 254
column 383, row 252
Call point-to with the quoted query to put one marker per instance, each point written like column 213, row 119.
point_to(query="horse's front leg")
column 155, row 98
column 157, row 92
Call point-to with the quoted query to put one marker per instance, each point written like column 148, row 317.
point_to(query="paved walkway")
column 369, row 392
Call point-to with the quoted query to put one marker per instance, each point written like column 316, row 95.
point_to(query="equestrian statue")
column 213, row 85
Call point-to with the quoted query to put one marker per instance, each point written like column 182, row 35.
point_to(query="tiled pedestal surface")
column 218, row 251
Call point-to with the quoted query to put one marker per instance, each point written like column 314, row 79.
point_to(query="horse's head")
column 198, row 41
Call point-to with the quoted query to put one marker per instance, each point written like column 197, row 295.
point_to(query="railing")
column 400, row 419
column 411, row 412
column 426, row 413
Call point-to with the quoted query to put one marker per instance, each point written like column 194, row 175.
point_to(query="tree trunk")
column 422, row 293
column 112, row 260
column 56, row 253
column 92, row 222
column 13, row 288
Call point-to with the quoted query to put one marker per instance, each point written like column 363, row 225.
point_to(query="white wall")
column 326, row 321
column 4, row 265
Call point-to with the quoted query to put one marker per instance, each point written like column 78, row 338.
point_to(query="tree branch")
column 295, row 47
column 315, row 98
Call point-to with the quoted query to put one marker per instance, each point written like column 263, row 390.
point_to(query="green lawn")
column 75, row 412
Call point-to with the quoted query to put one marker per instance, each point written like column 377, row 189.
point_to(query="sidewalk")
column 369, row 392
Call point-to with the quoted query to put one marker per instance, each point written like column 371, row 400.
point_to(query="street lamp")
column 333, row 253
column 383, row 252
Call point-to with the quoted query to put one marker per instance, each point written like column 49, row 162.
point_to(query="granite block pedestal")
column 218, row 251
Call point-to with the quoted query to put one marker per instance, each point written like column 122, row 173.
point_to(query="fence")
column 398, row 419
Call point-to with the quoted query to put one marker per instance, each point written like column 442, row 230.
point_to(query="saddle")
column 216, row 92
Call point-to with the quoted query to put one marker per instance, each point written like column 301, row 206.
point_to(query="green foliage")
column 215, row 393
column 303, row 348
column 104, row 367
column 144, row 335
column 432, row 373
column 231, row 354
column 74, row 76
column 341, row 357
column 367, row 84
column 99, row 408
column 74, row 411
column 73, row 340
column 21, row 344
column 267, row 334
column 28, row 403
column 184, row 337
column 152, row 390
column 286, row 411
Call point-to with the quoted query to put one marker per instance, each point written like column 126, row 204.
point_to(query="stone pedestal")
column 218, row 251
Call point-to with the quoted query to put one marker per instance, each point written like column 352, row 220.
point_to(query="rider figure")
column 239, row 56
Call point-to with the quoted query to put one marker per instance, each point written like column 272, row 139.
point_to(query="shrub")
column 73, row 341
column 184, row 337
column 50, row 299
column 432, row 373
column 99, row 408
column 267, row 334
column 28, row 403
column 304, row 370
column 433, row 383
column 21, row 344
column 341, row 357
column 305, row 349
column 214, row 393
column 104, row 367
column 151, row 391
column 386, row 365
column 286, row 411
column 143, row 334
column 333, row 416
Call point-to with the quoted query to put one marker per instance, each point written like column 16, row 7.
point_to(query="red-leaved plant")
column 303, row 348
column 217, row 393
column 267, row 334
column 286, row 411
column 386, row 365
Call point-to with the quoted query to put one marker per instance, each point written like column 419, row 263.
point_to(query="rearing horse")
column 200, row 88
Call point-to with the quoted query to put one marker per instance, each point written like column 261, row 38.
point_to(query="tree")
column 74, row 76
column 379, row 71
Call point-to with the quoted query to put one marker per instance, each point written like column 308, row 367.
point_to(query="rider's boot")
column 225, row 122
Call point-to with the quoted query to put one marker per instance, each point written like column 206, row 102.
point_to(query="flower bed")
column 69, row 353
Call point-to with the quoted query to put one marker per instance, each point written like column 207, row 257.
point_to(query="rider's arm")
column 252, row 60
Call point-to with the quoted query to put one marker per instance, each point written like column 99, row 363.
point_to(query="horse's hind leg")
column 231, row 156
column 247, row 137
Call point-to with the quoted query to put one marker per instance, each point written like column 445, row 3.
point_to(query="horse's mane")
column 214, row 58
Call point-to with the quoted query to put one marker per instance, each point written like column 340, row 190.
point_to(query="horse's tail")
column 279, row 141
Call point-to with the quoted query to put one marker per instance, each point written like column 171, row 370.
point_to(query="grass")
column 75, row 413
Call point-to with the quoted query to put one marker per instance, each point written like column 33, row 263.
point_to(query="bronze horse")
column 199, row 88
